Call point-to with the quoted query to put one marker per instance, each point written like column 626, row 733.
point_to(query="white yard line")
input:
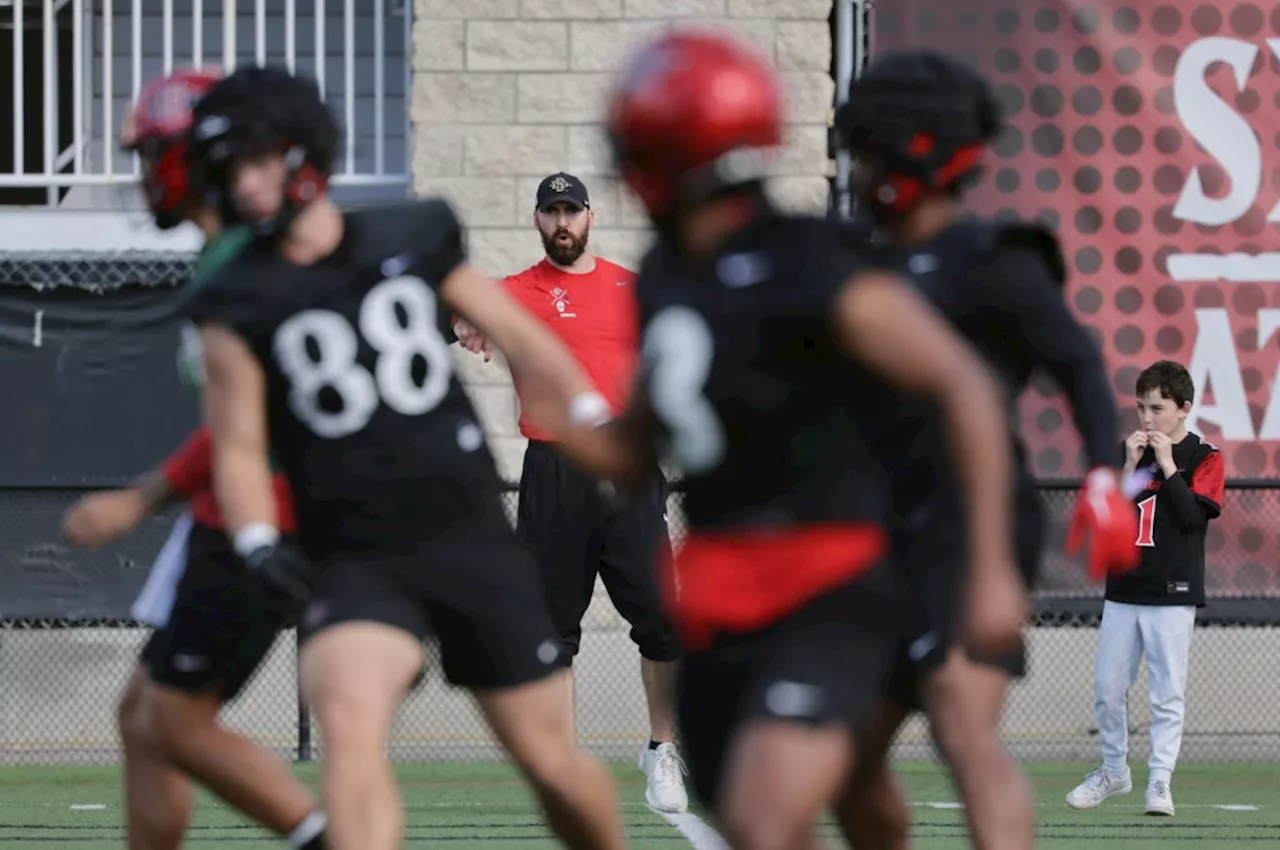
column 694, row 829
column 1226, row 807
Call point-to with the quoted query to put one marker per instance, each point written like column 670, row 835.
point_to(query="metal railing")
column 62, row 676
column 95, row 55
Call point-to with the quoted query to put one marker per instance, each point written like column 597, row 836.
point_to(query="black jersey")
column 1001, row 288
column 755, row 402
column 377, row 437
column 749, row 386
column 1173, row 517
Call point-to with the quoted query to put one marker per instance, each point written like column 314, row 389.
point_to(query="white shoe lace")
column 669, row 768
column 1096, row 780
column 1160, row 789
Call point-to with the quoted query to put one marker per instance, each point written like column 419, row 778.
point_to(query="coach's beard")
column 565, row 254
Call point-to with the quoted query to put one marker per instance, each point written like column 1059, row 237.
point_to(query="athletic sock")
column 309, row 835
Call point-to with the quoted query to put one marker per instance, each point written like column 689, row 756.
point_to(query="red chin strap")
column 898, row 193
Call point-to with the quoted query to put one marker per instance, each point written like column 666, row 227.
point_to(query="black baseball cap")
column 562, row 187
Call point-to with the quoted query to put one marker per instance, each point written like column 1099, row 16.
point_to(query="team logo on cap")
column 559, row 184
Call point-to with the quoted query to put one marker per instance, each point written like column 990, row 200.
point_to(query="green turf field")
column 463, row 806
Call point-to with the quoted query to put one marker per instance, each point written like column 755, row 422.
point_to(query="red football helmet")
column 693, row 113
column 157, row 130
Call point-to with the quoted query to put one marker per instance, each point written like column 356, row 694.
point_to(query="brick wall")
column 508, row 91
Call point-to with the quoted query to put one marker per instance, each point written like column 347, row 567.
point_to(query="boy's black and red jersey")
column 1173, row 517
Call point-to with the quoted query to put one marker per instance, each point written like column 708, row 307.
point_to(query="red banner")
column 1148, row 134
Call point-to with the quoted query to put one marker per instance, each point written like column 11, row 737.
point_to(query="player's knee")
column 755, row 827
column 183, row 727
column 965, row 739
column 132, row 721
column 352, row 721
column 548, row 761
column 874, row 816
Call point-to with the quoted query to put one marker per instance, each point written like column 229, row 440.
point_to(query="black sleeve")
column 440, row 239
column 228, row 298
column 1187, row 512
column 833, row 256
column 1021, row 281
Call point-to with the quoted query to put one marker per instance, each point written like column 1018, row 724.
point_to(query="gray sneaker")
column 1099, row 786
column 1159, row 799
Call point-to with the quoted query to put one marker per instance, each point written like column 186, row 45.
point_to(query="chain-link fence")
column 59, row 678
column 93, row 271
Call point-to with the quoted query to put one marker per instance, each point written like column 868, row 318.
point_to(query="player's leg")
column 361, row 652
column 576, row 791
column 965, row 699
column 872, row 809
column 216, row 639
column 814, row 679
column 554, row 518
column 635, row 536
column 157, row 796
column 1166, row 635
column 1115, row 669
column 497, row 641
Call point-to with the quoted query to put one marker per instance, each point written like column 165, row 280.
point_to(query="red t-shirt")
column 595, row 315
column 189, row 471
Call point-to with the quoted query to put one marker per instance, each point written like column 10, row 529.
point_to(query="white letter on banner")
column 1269, row 323
column 1219, row 129
column 1274, row 44
column 1214, row 365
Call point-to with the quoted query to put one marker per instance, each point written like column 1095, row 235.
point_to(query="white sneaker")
column 1099, row 786
column 665, row 771
column 1159, row 798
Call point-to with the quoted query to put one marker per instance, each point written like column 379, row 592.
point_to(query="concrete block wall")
column 508, row 91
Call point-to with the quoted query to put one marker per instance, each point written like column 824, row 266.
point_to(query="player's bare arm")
column 623, row 450
column 235, row 409
column 101, row 518
column 1030, row 280
column 896, row 333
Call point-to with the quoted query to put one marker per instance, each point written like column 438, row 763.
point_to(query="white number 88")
column 338, row 346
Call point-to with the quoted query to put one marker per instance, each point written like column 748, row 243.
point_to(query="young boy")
column 1151, row 611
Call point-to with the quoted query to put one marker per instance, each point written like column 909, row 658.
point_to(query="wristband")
column 254, row 536
column 589, row 409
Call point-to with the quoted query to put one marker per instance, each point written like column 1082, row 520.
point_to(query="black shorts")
column 930, row 550
column 218, row 632
column 481, row 599
column 826, row 663
column 576, row 534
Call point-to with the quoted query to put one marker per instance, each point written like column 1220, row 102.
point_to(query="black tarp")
column 90, row 398
column 89, row 382
column 42, row 578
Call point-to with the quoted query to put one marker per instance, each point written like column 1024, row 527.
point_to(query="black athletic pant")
column 576, row 534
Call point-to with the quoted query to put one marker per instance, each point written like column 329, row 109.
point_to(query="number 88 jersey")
column 379, row 440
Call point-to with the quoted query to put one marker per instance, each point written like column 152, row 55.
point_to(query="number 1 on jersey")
column 1147, row 521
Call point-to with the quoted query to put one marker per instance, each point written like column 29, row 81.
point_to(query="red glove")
column 1107, row 515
